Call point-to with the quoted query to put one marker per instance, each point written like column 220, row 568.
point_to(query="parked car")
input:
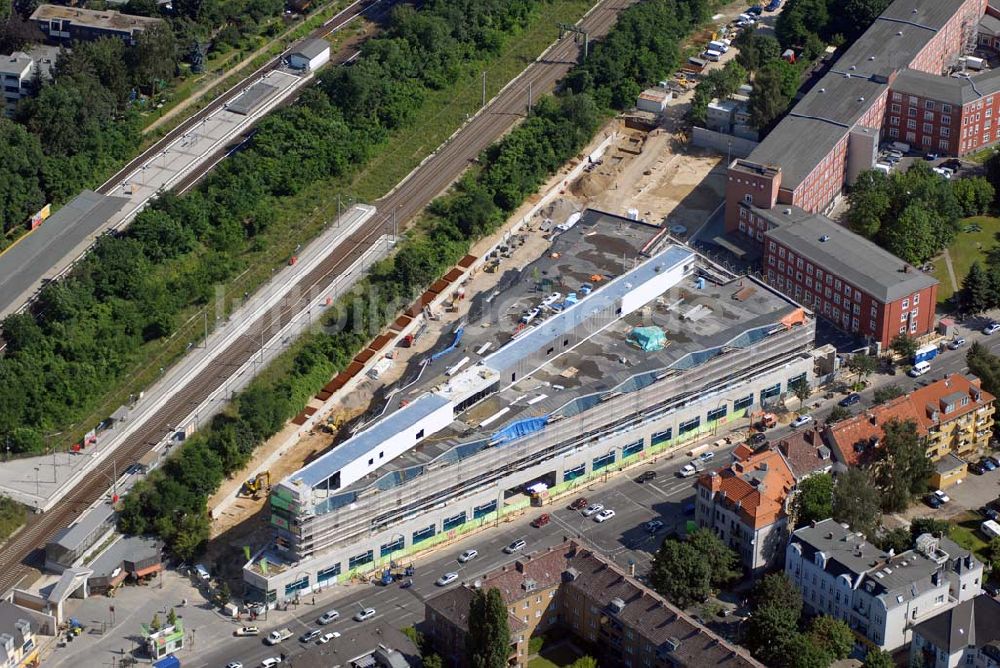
column 579, row 503
column 362, row 615
column 327, row 637
column 706, row 457
column 996, row 462
column 991, row 328
column 604, row 515
column 944, row 498
column 988, row 464
column 646, row 476
column 653, row 526
column 468, row 555
column 234, row 664
column 270, row 662
column 327, row 617
column 592, row 509
column 932, row 501
column 757, row 439
column 515, row 546
column 850, row 400
column 931, row 156
column 954, row 164
column 989, row 513
column 552, row 299
column 541, row 520
column 802, row 420
column 310, row 635
column 977, row 468
column 956, row 343
column 446, row 579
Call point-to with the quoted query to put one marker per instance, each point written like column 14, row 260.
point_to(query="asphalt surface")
column 22, row 553
column 622, row 538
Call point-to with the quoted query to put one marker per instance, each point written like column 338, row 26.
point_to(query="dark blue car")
column 850, row 400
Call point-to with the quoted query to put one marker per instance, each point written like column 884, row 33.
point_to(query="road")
column 622, row 538
column 407, row 200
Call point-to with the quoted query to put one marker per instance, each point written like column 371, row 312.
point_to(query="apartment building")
column 953, row 415
column 571, row 589
column 63, row 24
column 19, row 70
column 744, row 504
column 832, row 134
column 19, row 631
column 967, row 636
column 850, row 281
column 880, row 595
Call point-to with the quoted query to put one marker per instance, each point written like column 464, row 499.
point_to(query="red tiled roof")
column 757, row 483
column 805, row 452
column 931, row 395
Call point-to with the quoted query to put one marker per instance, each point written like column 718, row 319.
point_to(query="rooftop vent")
column 529, row 585
column 870, row 58
column 822, row 90
column 825, row 238
column 616, row 605
column 570, row 574
column 672, row 644
column 788, row 212
column 861, row 98
column 899, row 33
column 853, row 67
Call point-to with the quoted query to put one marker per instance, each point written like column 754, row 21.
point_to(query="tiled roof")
column 805, row 453
column 758, row 484
column 953, row 384
column 852, row 438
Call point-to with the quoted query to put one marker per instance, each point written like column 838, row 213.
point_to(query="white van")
column 712, row 55
column 919, row 369
column 719, row 46
column 990, row 529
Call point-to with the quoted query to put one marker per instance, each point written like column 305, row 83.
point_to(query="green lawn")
column 966, row 249
column 12, row 516
column 555, row 656
column 966, row 533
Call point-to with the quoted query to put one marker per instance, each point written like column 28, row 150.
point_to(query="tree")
column 679, row 573
column 802, row 391
column 154, row 56
column 877, row 658
column 154, row 623
column 223, row 594
column 171, row 618
column 904, row 345
column 912, row 235
column 584, row 662
column 814, row 499
column 887, row 393
column 856, row 501
column 768, row 100
column 977, row 295
column 861, row 364
column 974, row 195
column 432, row 661
column 837, row 413
column 921, row 525
column 985, row 365
column 488, row 643
column 869, row 203
column 770, row 632
column 833, row 635
column 901, row 467
column 802, row 651
column 722, row 561
column 21, row 191
column 898, row 540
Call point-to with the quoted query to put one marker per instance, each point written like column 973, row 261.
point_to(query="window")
column 911, row 124
column 945, row 120
column 902, row 316
column 911, row 112
column 781, row 266
column 847, row 290
column 895, row 108
column 945, row 108
column 771, row 246
column 360, row 560
column 906, row 304
column 487, row 508
column 388, row 548
column 298, row 585
column 717, row 413
column 748, row 199
column 928, row 128
column 768, row 392
column 745, row 402
column 328, row 573
column 688, row 425
column 894, row 133
column 450, row 523
column 929, row 104
column 944, row 145
column 604, row 460
column 916, row 299
column 421, row 535
column 781, row 252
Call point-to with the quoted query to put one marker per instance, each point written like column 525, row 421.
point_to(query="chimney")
column 519, row 565
column 873, row 419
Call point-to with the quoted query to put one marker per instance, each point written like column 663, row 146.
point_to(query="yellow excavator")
column 259, row 483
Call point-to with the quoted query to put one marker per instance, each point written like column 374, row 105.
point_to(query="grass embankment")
column 968, row 247
column 307, row 213
column 12, row 516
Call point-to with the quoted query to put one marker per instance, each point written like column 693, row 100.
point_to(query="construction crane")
column 254, row 486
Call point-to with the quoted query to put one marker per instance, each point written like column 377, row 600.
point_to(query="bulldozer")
column 254, row 486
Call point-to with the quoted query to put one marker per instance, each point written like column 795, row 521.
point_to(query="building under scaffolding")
column 547, row 386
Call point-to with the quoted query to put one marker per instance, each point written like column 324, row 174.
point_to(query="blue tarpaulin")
column 649, row 339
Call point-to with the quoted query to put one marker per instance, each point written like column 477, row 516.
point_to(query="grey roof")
column 348, row 451
column 252, row 98
column 974, row 623
column 312, row 48
column 16, row 63
column 129, row 548
column 990, row 25
column 827, row 112
column 70, row 579
column 953, row 90
column 853, row 258
column 847, row 552
column 948, row 463
column 566, row 321
column 85, row 526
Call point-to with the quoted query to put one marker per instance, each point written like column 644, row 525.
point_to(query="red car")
column 541, row 520
column 579, row 503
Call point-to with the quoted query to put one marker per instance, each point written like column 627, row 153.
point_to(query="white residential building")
column 18, row 70
column 880, row 595
column 967, row 635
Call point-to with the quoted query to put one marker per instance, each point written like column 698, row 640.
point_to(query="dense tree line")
column 811, row 24
column 916, row 213
column 171, row 501
column 721, row 84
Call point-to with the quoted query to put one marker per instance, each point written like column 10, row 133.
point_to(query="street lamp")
column 37, row 492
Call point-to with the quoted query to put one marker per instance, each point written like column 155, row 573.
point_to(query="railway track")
column 21, row 555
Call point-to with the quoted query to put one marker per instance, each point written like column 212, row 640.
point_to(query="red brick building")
column 832, row 134
column 848, row 280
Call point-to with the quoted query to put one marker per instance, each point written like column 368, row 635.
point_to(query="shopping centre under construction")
column 618, row 344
